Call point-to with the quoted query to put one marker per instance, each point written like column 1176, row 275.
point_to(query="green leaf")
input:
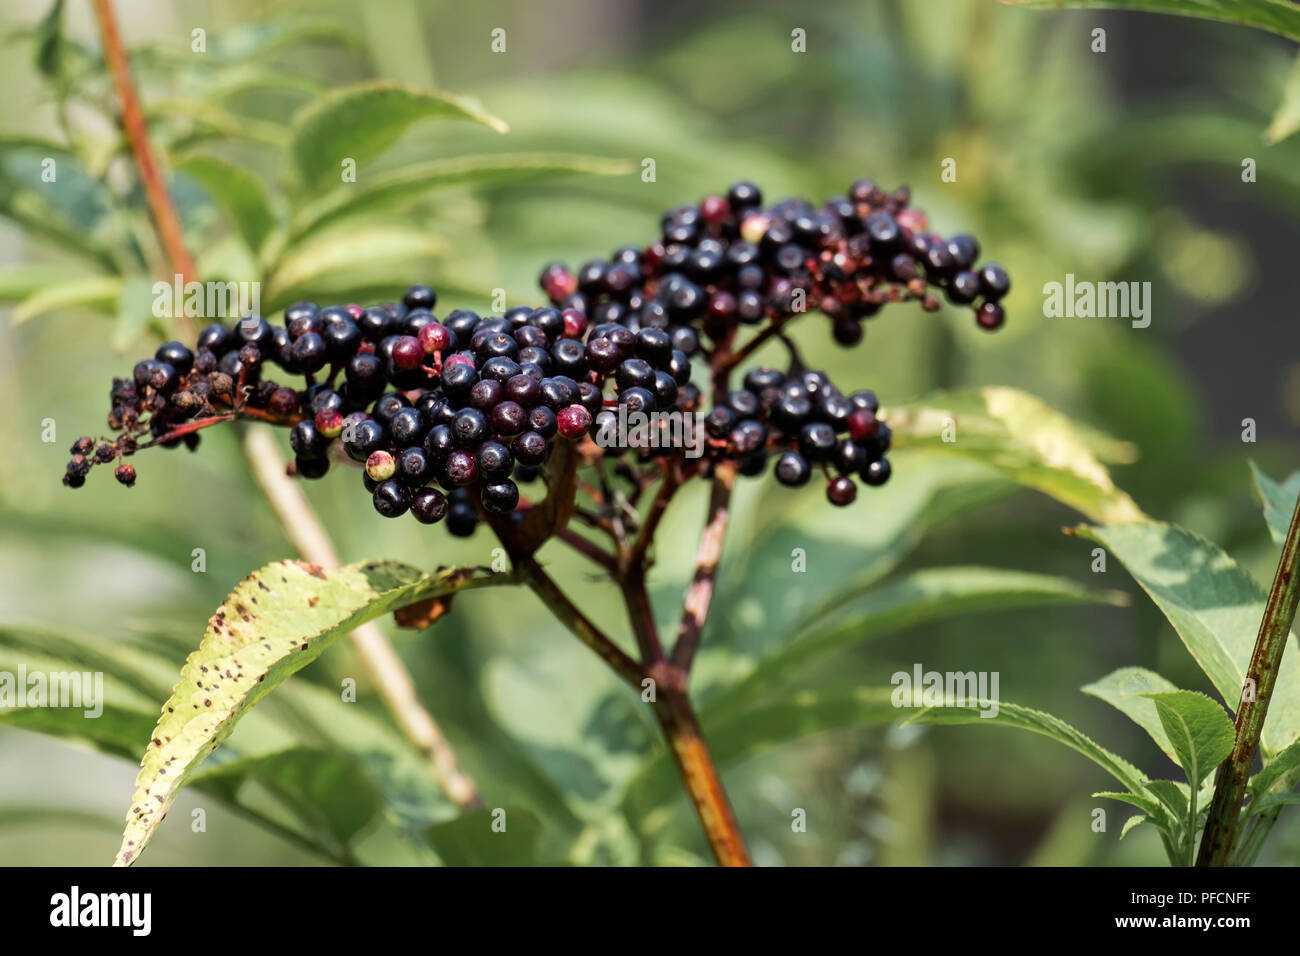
column 502, row 836
column 1279, row 501
column 383, row 190
column 916, row 598
column 30, row 210
column 653, row 790
column 49, row 41
column 1024, row 439
column 1286, row 119
column 134, row 312
column 326, row 790
column 353, row 250
column 1198, row 729
column 1025, row 718
column 1128, row 690
column 1214, row 605
column 1272, row 800
column 360, row 122
column 1132, row 822
column 1173, row 795
column 1276, row 16
column 18, row 282
column 277, row 621
column 93, row 293
column 1274, row 770
column 239, row 193
column 1153, row 811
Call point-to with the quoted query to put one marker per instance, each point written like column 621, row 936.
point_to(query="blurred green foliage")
column 1060, row 169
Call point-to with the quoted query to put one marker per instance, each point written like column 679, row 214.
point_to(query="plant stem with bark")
column 1234, row 773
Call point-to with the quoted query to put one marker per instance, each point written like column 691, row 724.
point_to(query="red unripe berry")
column 355, row 310
column 380, row 466
column 460, row 358
column 913, row 219
column 408, row 353
column 863, row 424
column 558, row 282
column 841, row 491
column 573, row 421
column 722, row 305
column 575, row 323
column 990, row 316
column 714, row 210
column 435, row 337
column 329, row 422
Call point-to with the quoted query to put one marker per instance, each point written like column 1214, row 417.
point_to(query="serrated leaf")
column 1279, row 501
column 1214, row 605
column 1276, row 16
column 502, row 836
column 1198, row 729
column 348, row 250
column 1026, row 718
column 360, row 122
column 916, row 598
column 1131, row 823
column 237, row 191
column 655, row 787
column 1128, row 690
column 1152, row 809
column 1021, row 437
column 1173, row 795
column 383, row 190
column 277, row 621
column 93, row 293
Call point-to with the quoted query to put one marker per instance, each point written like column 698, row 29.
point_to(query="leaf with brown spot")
column 346, row 598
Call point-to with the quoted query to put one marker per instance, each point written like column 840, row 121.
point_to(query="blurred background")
column 1122, row 165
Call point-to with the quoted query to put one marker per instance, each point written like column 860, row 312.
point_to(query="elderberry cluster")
column 444, row 416
column 729, row 261
column 430, row 409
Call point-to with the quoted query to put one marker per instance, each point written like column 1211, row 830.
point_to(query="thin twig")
column 381, row 661
column 636, row 555
column 559, row 604
column 1234, row 773
column 699, row 594
column 165, row 219
column 588, row 549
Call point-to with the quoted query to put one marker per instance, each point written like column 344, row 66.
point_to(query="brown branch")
column 588, row 549
column 700, row 775
column 635, row 558
column 730, row 360
column 161, row 208
column 577, row 622
column 699, row 594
